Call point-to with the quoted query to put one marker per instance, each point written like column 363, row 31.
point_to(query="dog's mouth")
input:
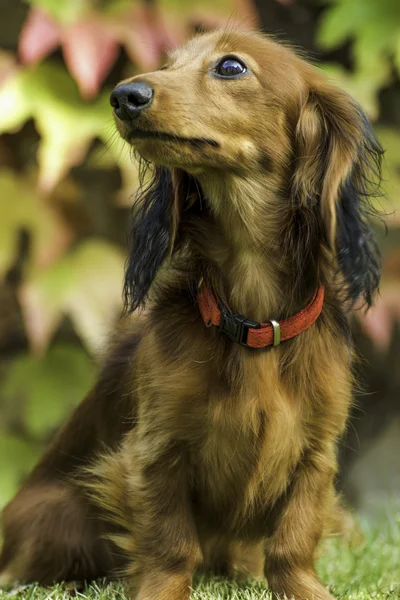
column 138, row 134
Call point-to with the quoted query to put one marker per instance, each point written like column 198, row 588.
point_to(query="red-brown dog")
column 211, row 435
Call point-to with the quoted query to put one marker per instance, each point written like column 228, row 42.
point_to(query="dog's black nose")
column 129, row 99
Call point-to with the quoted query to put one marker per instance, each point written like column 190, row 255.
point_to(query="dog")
column 210, row 437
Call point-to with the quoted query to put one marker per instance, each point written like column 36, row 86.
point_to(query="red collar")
column 252, row 334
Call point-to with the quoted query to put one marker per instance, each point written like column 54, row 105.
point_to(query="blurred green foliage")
column 373, row 26
column 37, row 394
column 61, row 294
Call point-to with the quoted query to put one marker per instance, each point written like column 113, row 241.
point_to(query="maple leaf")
column 84, row 285
column 363, row 87
column 23, row 210
column 90, row 50
column 43, row 386
column 17, row 457
column 67, row 124
column 15, row 104
column 390, row 139
column 378, row 323
column 89, row 45
column 39, row 36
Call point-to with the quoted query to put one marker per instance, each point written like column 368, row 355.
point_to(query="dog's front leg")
column 290, row 551
column 166, row 547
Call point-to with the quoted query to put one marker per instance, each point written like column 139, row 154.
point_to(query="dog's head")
column 239, row 105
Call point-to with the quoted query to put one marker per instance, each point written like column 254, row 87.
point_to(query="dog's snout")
column 129, row 99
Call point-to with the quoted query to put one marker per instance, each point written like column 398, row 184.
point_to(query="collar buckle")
column 235, row 327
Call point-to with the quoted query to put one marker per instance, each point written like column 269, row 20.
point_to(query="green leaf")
column 17, row 457
column 22, row 209
column 64, row 11
column 66, row 123
column 390, row 139
column 363, row 88
column 369, row 48
column 85, row 285
column 374, row 28
column 338, row 23
column 16, row 104
column 47, row 387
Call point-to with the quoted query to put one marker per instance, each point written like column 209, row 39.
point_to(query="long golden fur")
column 194, row 450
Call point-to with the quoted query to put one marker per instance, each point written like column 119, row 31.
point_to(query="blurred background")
column 66, row 185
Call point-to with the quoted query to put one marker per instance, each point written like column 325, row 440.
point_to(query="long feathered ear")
column 155, row 224
column 338, row 166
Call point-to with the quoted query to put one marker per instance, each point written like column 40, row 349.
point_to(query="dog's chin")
column 170, row 149
column 189, row 154
column 192, row 153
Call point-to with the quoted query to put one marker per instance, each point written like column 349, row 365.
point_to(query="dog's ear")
column 338, row 166
column 155, row 224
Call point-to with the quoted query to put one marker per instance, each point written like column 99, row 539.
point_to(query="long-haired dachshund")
column 210, row 437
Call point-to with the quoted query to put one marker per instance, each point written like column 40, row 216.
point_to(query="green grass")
column 353, row 570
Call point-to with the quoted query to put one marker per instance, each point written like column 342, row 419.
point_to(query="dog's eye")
column 230, row 67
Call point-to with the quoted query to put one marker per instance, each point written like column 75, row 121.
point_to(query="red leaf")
column 90, row 49
column 377, row 323
column 379, row 320
column 39, row 36
column 141, row 38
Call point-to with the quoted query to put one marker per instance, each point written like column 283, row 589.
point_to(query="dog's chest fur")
column 243, row 434
column 241, row 419
column 250, row 444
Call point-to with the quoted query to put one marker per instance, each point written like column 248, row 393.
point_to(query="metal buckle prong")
column 277, row 332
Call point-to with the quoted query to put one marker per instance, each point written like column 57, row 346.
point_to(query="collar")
column 250, row 333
